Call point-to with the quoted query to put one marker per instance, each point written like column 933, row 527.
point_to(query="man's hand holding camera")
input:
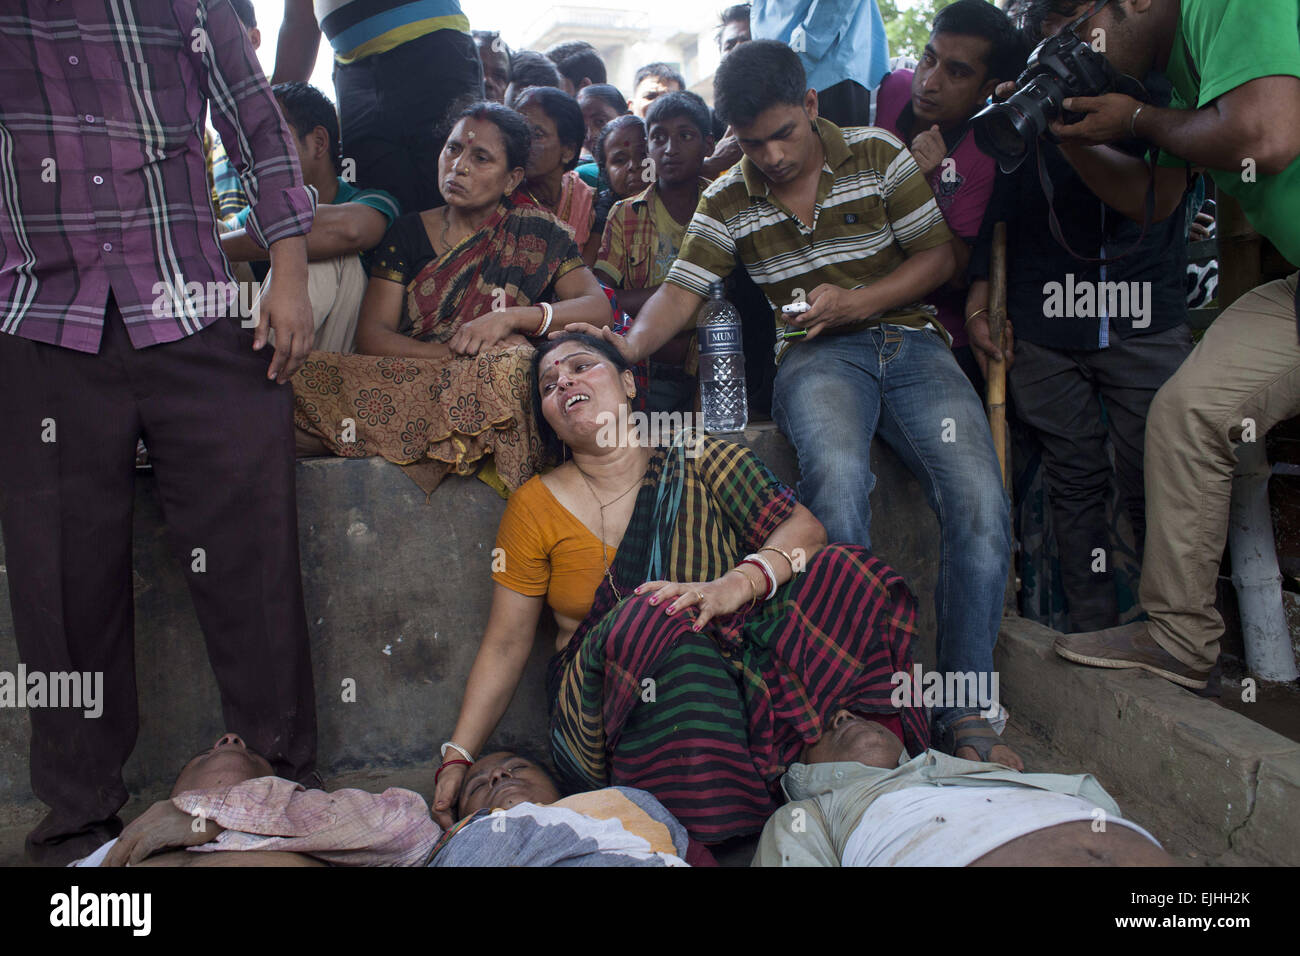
column 1109, row 118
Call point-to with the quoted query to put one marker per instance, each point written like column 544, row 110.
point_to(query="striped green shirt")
column 873, row 210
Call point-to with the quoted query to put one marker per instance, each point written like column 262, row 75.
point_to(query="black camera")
column 1061, row 67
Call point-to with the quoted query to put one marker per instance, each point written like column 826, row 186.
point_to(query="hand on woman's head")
column 584, row 386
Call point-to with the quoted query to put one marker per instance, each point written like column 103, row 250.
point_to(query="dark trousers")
column 1060, row 394
column 220, row 438
column 845, row 104
column 395, row 112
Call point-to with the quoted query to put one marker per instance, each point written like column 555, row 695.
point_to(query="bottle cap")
column 716, row 289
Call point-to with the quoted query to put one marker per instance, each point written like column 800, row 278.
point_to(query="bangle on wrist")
column 445, row 764
column 1132, row 123
column 449, row 745
column 768, row 574
column 753, row 588
column 788, row 560
column 978, row 312
column 548, row 313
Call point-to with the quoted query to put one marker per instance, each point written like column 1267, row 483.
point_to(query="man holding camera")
column 1235, row 69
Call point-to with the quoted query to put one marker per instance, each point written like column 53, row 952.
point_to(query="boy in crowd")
column 579, row 65
column 349, row 221
column 529, row 68
column 652, row 81
column 645, row 232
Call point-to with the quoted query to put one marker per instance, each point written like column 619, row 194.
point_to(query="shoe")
column 47, row 849
column 1129, row 646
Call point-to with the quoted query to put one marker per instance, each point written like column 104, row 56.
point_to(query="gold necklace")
column 604, row 553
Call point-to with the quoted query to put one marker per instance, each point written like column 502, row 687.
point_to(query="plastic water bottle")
column 722, row 365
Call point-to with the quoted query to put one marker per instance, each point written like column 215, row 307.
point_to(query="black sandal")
column 971, row 731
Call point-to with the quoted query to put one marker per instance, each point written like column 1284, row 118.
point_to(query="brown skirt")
column 449, row 412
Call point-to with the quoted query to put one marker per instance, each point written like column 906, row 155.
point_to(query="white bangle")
column 771, row 574
column 548, row 313
column 442, row 751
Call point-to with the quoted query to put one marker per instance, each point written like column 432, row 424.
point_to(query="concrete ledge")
column 1227, row 785
column 397, row 591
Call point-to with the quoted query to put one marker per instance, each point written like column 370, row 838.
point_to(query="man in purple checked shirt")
column 104, row 218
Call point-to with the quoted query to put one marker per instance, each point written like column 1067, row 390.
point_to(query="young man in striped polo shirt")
column 844, row 220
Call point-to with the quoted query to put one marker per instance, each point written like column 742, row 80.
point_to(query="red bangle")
column 445, row 764
column 767, row 575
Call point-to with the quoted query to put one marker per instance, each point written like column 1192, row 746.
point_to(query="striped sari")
column 708, row 722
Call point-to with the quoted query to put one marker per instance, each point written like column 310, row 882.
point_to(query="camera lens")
column 1005, row 133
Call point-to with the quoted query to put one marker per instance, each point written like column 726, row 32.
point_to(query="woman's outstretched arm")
column 377, row 334
column 800, row 536
column 502, row 656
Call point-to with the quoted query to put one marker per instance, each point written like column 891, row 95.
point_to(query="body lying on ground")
column 857, row 800
column 227, row 809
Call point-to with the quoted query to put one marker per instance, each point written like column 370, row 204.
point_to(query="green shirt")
column 874, row 209
column 374, row 198
column 1230, row 43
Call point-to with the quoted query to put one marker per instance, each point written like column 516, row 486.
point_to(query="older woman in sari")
column 441, row 374
column 685, row 666
column 552, row 180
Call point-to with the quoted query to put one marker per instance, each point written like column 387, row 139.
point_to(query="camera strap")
column 1054, row 223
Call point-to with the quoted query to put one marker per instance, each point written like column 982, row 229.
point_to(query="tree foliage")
column 909, row 28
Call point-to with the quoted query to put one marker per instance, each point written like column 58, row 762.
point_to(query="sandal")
column 972, row 731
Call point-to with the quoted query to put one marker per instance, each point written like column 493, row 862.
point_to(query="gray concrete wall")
column 397, row 591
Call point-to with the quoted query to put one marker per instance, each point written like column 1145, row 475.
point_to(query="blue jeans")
column 832, row 395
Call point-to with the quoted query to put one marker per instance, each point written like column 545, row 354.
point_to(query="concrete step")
column 1219, row 783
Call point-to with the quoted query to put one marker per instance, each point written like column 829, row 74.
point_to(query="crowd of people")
column 477, row 257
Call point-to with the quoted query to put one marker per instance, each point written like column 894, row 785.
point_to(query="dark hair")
column 1034, row 12
column 661, row 70
column 737, row 13
column 515, row 131
column 530, row 68
column 979, row 18
column 755, row 77
column 551, row 444
column 247, row 15
column 564, row 112
column 492, row 40
column 606, row 94
column 687, row 104
column 578, row 60
column 304, row 108
column 612, row 127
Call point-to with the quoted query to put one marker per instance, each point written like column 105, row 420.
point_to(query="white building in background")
column 628, row 38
